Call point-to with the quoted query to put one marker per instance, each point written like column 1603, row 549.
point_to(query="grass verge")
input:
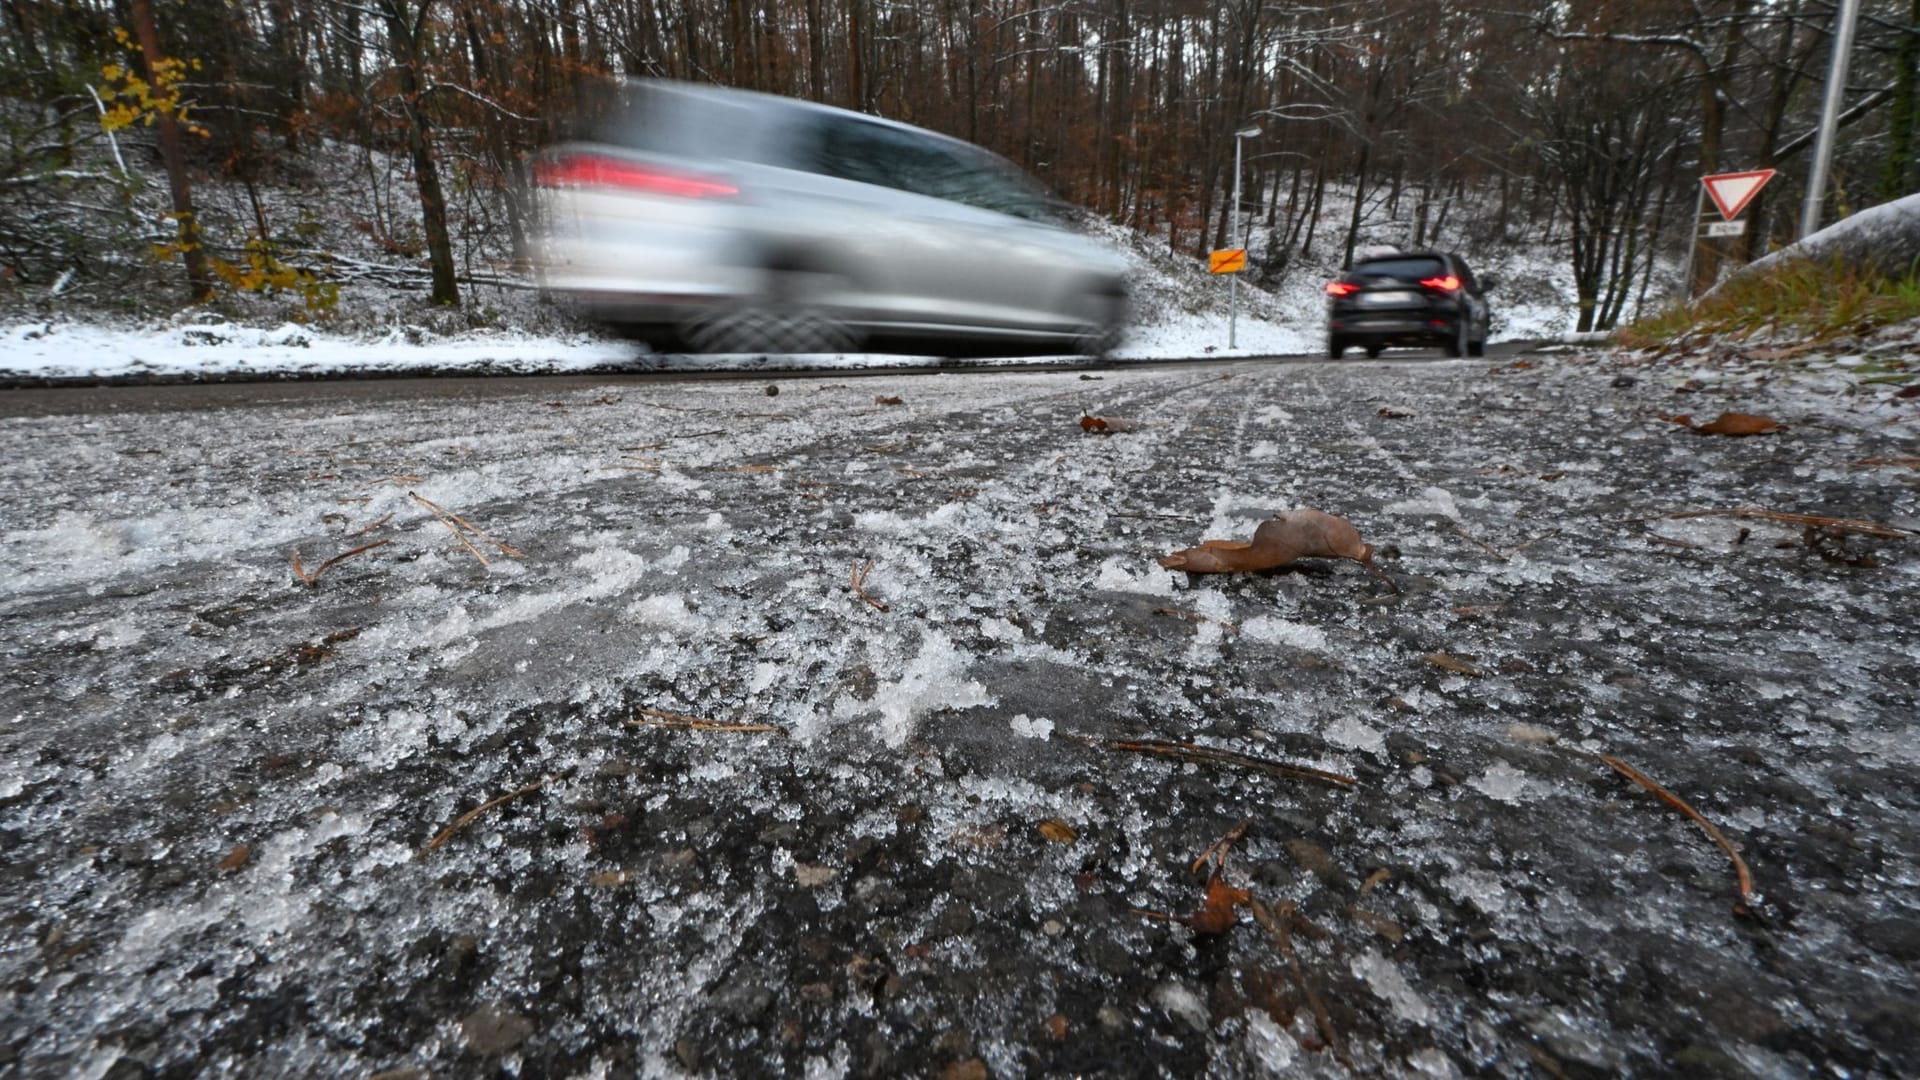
column 1806, row 299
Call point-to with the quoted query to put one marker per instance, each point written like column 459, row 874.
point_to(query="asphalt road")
column 854, row 729
column 140, row 395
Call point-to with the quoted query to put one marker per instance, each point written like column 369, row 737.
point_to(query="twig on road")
column 1207, row 755
column 467, row 818
column 665, row 719
column 1216, row 852
column 370, row 528
column 1743, row 879
column 314, row 577
column 858, row 579
column 1276, row 929
column 455, row 523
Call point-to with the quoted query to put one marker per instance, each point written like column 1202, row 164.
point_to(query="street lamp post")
column 1836, row 91
column 1247, row 131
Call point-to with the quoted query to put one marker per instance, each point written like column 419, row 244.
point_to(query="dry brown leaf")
column 1911, row 390
column 1058, row 831
column 1738, row 424
column 1452, row 663
column 1395, row 412
column 1218, row 914
column 236, row 858
column 885, row 399
column 1105, row 425
column 1282, row 538
column 608, row 878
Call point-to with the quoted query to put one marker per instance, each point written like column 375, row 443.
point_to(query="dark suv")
column 1408, row 298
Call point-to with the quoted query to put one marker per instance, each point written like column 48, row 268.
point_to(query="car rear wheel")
column 1374, row 351
column 1476, row 348
column 1107, row 328
column 787, row 317
column 1335, row 346
column 1456, row 347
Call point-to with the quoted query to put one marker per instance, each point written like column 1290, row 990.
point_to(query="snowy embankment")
column 1181, row 312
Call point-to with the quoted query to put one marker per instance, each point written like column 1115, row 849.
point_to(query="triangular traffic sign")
column 1733, row 191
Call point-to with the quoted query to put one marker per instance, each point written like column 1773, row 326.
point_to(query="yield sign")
column 1733, row 191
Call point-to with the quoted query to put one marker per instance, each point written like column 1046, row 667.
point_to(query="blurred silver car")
column 719, row 220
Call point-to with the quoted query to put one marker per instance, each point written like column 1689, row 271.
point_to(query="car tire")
column 1456, row 346
column 1374, row 351
column 1108, row 328
column 1476, row 348
column 785, row 318
column 1335, row 347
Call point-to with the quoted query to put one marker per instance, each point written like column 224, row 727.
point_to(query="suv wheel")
column 784, row 319
column 1335, row 346
column 1108, row 329
column 1457, row 346
column 1374, row 351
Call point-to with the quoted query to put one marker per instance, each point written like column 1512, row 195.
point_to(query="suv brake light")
column 1341, row 288
column 586, row 170
column 1450, row 283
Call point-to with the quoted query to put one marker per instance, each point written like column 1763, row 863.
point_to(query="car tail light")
column 1341, row 288
column 586, row 170
column 1449, row 283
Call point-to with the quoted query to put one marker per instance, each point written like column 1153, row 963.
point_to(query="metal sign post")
column 1693, row 244
column 1245, row 131
column 1732, row 193
column 1829, row 115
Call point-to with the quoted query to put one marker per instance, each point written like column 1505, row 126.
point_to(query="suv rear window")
column 1401, row 269
column 937, row 168
column 666, row 120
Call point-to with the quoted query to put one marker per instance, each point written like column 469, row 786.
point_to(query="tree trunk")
column 1896, row 174
column 199, row 281
column 403, row 39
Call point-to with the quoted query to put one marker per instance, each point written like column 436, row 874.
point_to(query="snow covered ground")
column 417, row 814
column 1183, row 314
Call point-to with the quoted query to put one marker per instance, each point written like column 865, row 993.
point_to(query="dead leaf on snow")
column 1058, row 831
column 1219, row 913
column 1738, row 424
column 1105, row 425
column 1395, row 412
column 236, row 858
column 1452, row 663
column 1282, row 538
column 887, row 399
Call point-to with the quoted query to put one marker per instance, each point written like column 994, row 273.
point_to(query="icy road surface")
column 221, row 789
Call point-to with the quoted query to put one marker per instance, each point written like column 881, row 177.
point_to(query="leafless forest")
column 1466, row 122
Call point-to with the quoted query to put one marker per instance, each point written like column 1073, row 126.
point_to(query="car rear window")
column 1412, row 269
column 668, row 120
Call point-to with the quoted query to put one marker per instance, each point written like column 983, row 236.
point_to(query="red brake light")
column 1341, row 288
column 1444, row 284
column 582, row 170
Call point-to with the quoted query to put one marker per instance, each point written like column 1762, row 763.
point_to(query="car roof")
column 1384, row 257
column 776, row 103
